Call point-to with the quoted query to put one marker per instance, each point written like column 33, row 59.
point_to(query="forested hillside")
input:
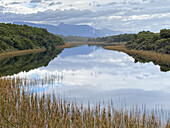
column 145, row 40
column 20, row 37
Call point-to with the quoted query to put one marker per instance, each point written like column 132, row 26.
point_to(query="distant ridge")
column 73, row 30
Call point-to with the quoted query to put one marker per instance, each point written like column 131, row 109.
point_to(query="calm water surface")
column 94, row 74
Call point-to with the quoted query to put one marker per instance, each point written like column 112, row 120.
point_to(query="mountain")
column 108, row 32
column 73, row 30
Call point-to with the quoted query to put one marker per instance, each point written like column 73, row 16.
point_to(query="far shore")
column 160, row 58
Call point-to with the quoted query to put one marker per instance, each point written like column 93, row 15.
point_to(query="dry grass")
column 19, row 52
column 67, row 45
column 75, row 44
column 30, row 51
column 82, row 43
column 20, row 110
column 160, row 58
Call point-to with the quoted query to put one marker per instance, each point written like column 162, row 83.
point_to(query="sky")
column 121, row 15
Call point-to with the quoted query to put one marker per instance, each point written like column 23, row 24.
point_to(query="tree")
column 165, row 33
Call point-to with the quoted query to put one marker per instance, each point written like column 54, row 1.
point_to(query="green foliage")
column 21, row 37
column 165, row 33
column 73, row 38
column 116, row 38
column 146, row 40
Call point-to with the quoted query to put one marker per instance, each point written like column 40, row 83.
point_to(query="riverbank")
column 19, row 53
column 158, row 57
column 76, row 44
column 148, row 55
column 30, row 51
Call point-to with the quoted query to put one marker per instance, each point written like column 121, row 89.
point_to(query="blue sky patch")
column 32, row 5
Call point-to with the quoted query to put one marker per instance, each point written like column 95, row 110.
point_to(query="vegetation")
column 14, row 65
column 20, row 37
column 112, row 39
column 73, row 38
column 146, row 40
column 19, row 109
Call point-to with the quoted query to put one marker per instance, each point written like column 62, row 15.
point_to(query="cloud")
column 1, row 8
column 16, row 3
column 124, row 15
column 59, row 3
column 35, row 1
column 53, row 3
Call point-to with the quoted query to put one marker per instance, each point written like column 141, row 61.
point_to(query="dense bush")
column 73, row 38
column 165, row 33
column 116, row 38
column 146, row 40
column 20, row 37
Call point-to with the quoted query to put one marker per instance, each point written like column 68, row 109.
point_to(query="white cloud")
column 111, row 14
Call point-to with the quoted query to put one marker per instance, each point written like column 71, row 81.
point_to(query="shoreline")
column 158, row 57
column 5, row 55
column 150, row 55
column 19, row 53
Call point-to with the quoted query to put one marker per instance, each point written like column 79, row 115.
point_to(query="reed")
column 30, row 110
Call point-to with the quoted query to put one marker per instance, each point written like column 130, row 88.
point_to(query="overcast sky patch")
column 124, row 15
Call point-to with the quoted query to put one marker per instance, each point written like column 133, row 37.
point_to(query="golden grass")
column 67, row 45
column 160, row 58
column 30, row 110
column 30, row 51
column 75, row 44
column 19, row 52
column 82, row 43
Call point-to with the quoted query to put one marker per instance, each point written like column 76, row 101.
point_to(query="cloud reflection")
column 96, row 73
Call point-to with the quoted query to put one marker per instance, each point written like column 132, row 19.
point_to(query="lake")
column 93, row 74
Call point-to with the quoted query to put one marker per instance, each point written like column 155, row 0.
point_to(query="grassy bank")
column 159, row 58
column 31, row 51
column 29, row 110
column 19, row 53
column 75, row 44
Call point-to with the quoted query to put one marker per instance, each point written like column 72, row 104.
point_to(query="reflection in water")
column 95, row 74
column 10, row 66
column 163, row 67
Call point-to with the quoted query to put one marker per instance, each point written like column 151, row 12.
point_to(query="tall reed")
column 30, row 110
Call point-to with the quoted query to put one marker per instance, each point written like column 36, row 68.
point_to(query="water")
column 94, row 74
